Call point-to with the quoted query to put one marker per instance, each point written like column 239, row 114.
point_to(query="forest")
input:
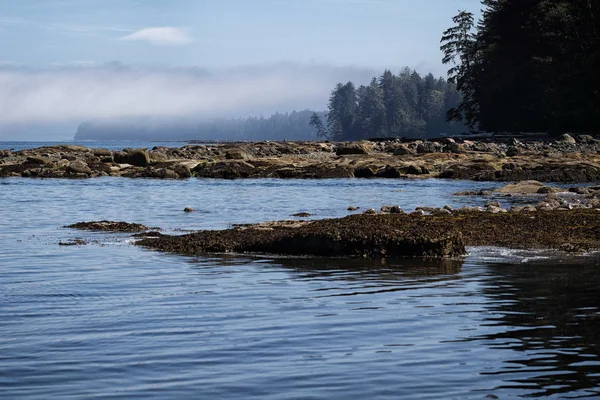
column 279, row 126
column 404, row 105
column 527, row 66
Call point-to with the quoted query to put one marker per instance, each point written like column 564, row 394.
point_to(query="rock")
column 418, row 212
column 35, row 160
column 353, row 148
column 427, row 147
column 183, row 171
column 402, row 150
column 544, row 206
column 454, row 147
column 237, row 154
column 474, row 193
column 524, row 187
column 108, row 226
column 74, row 242
column 138, row 157
column 585, row 139
column 370, row 211
column 353, row 208
column 79, row 167
column 468, row 209
column 512, row 151
column 188, row 210
column 230, row 169
column 548, row 189
column 364, row 172
column 374, row 236
column 396, row 210
column 494, row 203
column 413, row 170
column 389, row 172
column 102, row 153
column 440, row 211
column 302, row 215
column 495, row 210
column 160, row 173
column 514, row 142
column 566, row 138
column 135, row 157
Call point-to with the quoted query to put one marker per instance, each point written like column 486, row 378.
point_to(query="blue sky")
column 247, row 39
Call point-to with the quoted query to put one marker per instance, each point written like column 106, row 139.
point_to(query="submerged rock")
column 302, row 215
column 108, row 226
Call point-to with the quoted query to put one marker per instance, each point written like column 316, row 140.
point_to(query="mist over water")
column 66, row 96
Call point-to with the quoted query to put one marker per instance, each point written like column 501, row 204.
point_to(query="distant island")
column 279, row 126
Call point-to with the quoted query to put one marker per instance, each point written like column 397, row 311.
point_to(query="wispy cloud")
column 161, row 36
column 114, row 90
column 11, row 22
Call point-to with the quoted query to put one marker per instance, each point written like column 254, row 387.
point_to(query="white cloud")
column 77, row 93
column 162, row 36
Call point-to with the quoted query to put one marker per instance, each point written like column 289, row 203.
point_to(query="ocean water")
column 112, row 320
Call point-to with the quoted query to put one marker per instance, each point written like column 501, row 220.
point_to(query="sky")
column 65, row 61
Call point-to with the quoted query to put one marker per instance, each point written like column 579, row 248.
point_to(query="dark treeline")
column 403, row 105
column 527, row 65
column 279, row 126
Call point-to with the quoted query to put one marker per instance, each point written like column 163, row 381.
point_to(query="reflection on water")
column 551, row 327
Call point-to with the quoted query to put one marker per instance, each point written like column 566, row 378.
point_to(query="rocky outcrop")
column 564, row 160
column 423, row 234
column 354, row 236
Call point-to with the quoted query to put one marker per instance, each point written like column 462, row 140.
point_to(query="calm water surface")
column 110, row 320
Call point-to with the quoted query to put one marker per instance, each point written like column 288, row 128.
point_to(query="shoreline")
column 566, row 160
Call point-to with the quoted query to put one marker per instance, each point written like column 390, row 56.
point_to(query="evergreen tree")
column 371, row 111
column 458, row 46
column 531, row 66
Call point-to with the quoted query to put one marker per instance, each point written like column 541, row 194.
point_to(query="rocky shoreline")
column 566, row 159
column 422, row 233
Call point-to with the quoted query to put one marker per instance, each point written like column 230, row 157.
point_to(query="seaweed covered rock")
column 108, row 226
column 371, row 236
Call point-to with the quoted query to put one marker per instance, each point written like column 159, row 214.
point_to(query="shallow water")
column 110, row 320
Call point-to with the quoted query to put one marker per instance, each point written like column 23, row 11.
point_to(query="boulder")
column 585, row 139
column 512, row 151
column 525, row 187
column 138, row 157
column 427, row 147
column 79, row 167
column 353, row 148
column 396, row 210
column 566, row 138
column 135, row 157
column 402, row 150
